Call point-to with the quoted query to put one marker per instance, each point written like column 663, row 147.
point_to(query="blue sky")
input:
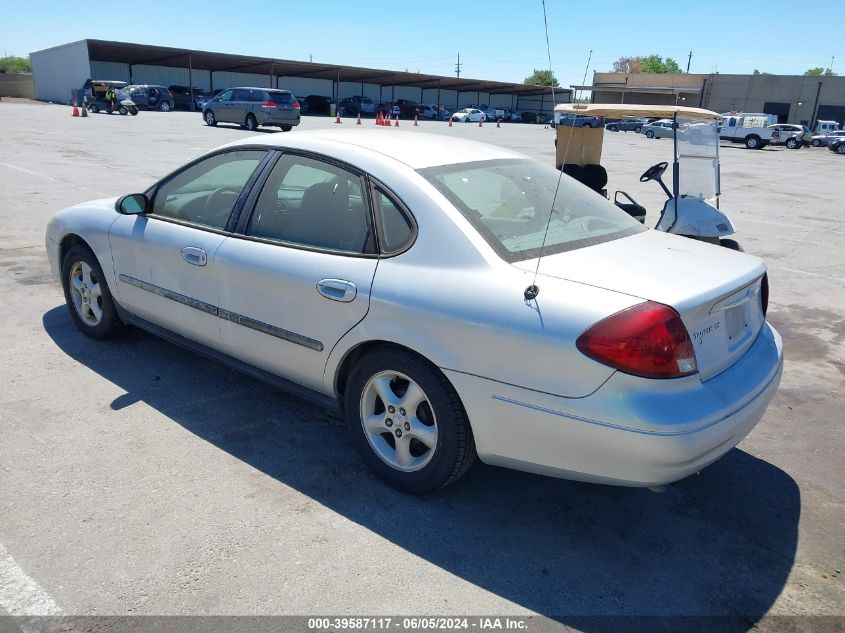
column 496, row 39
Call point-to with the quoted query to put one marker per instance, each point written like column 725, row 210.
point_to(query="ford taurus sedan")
column 453, row 302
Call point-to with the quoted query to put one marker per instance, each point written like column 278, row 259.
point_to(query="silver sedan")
column 453, row 299
column 658, row 129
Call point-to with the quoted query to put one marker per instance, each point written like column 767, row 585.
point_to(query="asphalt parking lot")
column 138, row 478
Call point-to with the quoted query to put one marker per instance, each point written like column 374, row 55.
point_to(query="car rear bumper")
column 278, row 118
column 631, row 431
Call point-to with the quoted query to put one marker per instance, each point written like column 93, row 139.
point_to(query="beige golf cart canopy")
column 622, row 110
column 582, row 145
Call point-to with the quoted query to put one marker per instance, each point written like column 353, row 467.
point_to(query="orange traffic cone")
column 396, row 124
column 498, row 124
column 378, row 118
column 450, row 121
column 337, row 119
column 75, row 109
column 480, row 122
column 358, row 122
column 416, row 124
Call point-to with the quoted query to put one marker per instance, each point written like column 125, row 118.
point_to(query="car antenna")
column 533, row 290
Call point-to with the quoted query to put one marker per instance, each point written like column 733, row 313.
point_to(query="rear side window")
column 395, row 227
column 240, row 95
column 257, row 96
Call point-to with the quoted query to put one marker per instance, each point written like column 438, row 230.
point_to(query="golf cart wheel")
column 792, row 143
column 407, row 421
column 650, row 134
column 753, row 142
column 164, row 106
column 94, row 108
column 210, row 119
column 816, row 142
column 287, row 128
column 123, row 110
column 731, row 244
column 250, row 123
column 134, row 111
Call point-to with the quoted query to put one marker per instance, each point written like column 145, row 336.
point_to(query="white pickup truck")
column 749, row 128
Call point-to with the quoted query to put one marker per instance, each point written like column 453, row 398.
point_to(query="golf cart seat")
column 592, row 176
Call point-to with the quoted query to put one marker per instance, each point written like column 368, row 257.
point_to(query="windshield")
column 509, row 203
column 698, row 157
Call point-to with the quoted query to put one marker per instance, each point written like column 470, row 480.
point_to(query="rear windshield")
column 509, row 202
column 280, row 97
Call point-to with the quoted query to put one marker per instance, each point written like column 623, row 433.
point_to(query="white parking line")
column 805, row 227
column 20, row 594
column 806, row 272
column 26, row 171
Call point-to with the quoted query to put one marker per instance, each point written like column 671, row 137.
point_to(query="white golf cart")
column 692, row 208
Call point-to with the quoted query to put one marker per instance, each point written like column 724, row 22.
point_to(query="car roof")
column 414, row 149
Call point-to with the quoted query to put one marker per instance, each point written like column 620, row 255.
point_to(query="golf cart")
column 692, row 207
column 96, row 101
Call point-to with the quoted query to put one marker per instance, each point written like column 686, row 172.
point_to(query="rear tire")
column 792, row 143
column 816, row 143
column 753, row 142
column 123, row 110
column 250, row 123
column 613, row 128
column 164, row 106
column 94, row 108
column 134, row 111
column 638, row 129
column 840, row 149
column 650, row 134
column 731, row 244
column 210, row 119
column 287, row 128
column 439, row 413
column 87, row 295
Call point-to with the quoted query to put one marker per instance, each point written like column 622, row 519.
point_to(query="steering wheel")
column 654, row 172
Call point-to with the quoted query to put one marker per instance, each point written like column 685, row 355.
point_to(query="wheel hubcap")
column 398, row 421
column 86, row 293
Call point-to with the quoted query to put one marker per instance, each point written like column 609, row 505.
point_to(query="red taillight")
column 169, row 94
column 269, row 104
column 295, row 104
column 648, row 339
column 764, row 293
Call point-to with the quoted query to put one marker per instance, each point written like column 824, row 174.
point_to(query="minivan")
column 253, row 107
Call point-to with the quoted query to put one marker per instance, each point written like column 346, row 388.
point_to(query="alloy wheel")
column 86, row 293
column 398, row 421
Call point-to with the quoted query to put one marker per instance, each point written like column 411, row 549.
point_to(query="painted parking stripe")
column 20, row 594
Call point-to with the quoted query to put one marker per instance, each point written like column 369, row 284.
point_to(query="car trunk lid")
column 716, row 291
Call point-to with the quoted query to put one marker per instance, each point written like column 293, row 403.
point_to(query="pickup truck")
column 751, row 129
column 494, row 114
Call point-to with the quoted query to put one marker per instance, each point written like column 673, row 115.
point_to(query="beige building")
column 793, row 98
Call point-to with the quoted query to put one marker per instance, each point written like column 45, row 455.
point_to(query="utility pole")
column 458, row 66
column 310, row 58
column 689, row 61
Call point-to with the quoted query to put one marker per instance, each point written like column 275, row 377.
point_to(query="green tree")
column 542, row 78
column 628, row 65
column 757, row 72
column 819, row 72
column 655, row 64
column 14, row 64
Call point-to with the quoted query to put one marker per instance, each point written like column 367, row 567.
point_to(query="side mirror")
column 133, row 204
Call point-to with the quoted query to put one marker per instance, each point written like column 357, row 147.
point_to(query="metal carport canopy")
column 129, row 53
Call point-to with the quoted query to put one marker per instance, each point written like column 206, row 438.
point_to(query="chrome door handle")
column 337, row 289
column 194, row 255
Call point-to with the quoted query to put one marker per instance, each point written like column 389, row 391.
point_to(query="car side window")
column 226, row 95
column 257, row 96
column 395, row 227
column 313, row 203
column 240, row 95
column 205, row 193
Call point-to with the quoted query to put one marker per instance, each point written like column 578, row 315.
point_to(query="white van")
column 825, row 127
column 750, row 128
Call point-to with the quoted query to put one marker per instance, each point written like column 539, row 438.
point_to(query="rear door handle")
column 337, row 289
column 194, row 255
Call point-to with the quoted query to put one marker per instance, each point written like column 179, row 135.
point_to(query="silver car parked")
column 626, row 125
column 253, row 107
column 661, row 128
column 451, row 303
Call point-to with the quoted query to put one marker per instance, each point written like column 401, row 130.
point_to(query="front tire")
column 650, row 134
column 816, row 143
column 210, row 119
column 638, row 129
column 792, row 143
column 250, row 123
column 87, row 295
column 94, row 108
column 613, row 128
column 407, row 421
column 287, row 128
column 164, row 106
column 123, row 110
column 133, row 111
